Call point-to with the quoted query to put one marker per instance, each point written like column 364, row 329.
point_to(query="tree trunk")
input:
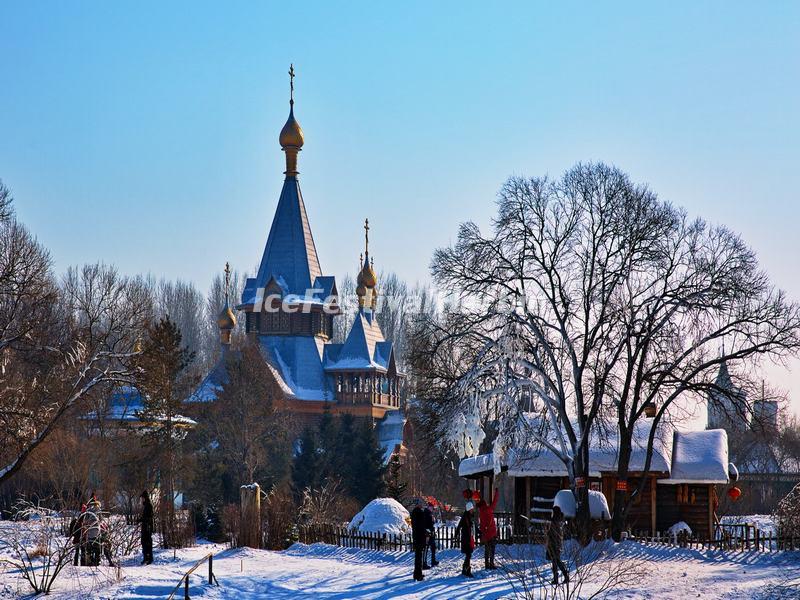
column 583, row 516
column 620, row 495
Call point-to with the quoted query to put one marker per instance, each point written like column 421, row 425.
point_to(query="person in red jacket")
column 488, row 529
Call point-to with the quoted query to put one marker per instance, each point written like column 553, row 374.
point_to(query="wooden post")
column 186, row 588
column 711, row 511
column 527, row 512
column 211, row 569
column 653, row 505
column 250, row 527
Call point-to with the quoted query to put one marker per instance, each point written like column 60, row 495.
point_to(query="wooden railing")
column 377, row 398
column 736, row 537
column 212, row 579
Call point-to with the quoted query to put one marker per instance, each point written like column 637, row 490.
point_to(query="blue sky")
column 145, row 134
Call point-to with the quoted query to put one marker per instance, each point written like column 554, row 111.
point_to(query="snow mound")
column 565, row 500
column 598, row 506
column 678, row 528
column 382, row 515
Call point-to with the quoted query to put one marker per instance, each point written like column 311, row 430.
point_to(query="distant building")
column 766, row 474
column 289, row 310
column 726, row 404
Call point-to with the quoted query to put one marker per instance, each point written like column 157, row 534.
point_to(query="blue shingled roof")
column 212, row 383
column 290, row 252
column 364, row 347
column 296, row 362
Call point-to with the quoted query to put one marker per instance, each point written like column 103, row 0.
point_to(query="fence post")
column 186, row 588
column 210, row 569
column 250, row 526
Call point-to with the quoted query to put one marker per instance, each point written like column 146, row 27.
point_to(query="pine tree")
column 305, row 469
column 163, row 361
column 368, row 467
column 345, row 442
column 327, row 446
column 395, row 486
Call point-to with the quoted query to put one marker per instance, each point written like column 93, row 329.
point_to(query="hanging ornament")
column 734, row 493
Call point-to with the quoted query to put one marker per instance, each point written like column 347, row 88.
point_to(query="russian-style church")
column 289, row 310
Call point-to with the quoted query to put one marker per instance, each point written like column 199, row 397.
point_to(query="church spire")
column 226, row 320
column 291, row 137
column 367, row 280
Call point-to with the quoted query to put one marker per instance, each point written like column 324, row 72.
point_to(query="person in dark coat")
column 430, row 526
column 464, row 530
column 488, row 527
column 91, row 530
column 76, row 533
column 419, row 537
column 148, row 524
column 555, row 541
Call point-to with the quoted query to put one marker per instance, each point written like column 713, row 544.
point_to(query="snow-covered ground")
column 326, row 572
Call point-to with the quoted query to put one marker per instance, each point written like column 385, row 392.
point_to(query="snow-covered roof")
column 364, row 349
column 687, row 457
column 538, row 461
column 296, row 362
column 699, row 457
column 476, row 464
column 213, row 382
column 125, row 406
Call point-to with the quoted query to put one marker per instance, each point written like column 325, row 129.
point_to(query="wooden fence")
column 742, row 537
column 445, row 537
column 737, row 537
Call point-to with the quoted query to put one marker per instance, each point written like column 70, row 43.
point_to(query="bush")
column 278, row 516
column 787, row 516
column 37, row 546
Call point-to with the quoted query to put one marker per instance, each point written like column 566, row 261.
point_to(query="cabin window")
column 685, row 494
column 302, row 323
column 316, row 325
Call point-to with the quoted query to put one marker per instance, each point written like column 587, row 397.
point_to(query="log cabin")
column 686, row 469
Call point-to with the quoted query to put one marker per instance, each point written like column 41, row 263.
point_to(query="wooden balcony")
column 373, row 398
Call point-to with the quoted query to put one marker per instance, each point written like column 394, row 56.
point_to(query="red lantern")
column 734, row 493
column 476, row 495
column 467, row 493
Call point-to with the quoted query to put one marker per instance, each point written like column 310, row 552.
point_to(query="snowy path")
column 330, row 573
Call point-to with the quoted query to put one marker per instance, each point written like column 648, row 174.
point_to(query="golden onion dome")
column 292, row 134
column 226, row 319
column 367, row 276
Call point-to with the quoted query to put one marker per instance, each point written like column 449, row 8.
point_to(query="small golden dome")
column 292, row 134
column 226, row 319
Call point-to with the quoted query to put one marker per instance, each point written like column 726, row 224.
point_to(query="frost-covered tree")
column 589, row 299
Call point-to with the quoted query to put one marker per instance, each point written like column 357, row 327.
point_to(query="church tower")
column 289, row 310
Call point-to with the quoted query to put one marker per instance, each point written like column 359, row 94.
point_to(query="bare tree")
column 6, row 210
column 87, row 343
column 247, row 430
column 591, row 299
